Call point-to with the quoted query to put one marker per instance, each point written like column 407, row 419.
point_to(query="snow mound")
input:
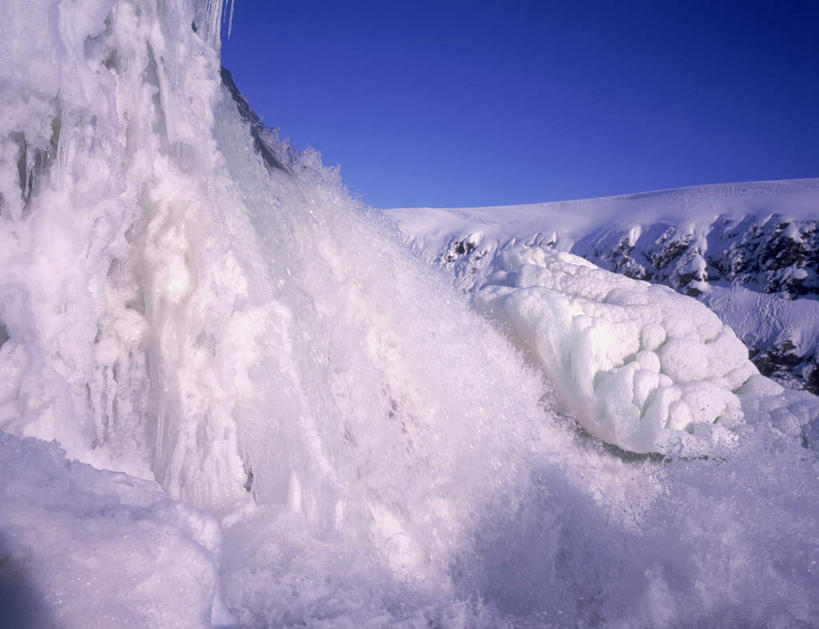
column 81, row 547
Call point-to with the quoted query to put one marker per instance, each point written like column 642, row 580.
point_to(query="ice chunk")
column 640, row 366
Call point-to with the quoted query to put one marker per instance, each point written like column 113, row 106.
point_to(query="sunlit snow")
column 268, row 413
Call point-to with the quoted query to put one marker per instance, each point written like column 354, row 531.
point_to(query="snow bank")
column 84, row 548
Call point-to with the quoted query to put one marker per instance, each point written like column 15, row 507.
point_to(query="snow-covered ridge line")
column 797, row 196
column 728, row 244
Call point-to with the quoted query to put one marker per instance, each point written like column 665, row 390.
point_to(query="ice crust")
column 340, row 439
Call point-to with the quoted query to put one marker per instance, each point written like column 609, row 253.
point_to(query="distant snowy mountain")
column 749, row 251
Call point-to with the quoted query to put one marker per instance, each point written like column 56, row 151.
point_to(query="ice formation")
column 640, row 366
column 186, row 303
column 634, row 362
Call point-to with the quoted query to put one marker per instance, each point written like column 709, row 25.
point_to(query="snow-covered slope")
column 189, row 305
column 749, row 251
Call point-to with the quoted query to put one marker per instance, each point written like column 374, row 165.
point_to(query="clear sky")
column 454, row 103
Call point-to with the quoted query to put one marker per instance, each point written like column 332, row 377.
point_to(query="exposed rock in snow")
column 265, row 141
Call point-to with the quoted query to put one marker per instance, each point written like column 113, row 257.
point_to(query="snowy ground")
column 230, row 397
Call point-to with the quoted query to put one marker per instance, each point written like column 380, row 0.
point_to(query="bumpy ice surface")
column 641, row 366
column 339, row 439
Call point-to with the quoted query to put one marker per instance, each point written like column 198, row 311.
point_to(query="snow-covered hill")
column 749, row 251
column 265, row 413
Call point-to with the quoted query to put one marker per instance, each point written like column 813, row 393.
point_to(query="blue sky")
column 485, row 103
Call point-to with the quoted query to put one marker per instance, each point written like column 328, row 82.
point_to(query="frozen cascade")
column 176, row 308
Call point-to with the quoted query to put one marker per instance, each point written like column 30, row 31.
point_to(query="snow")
column 766, row 320
column 266, row 413
column 86, row 548
column 569, row 221
column 720, row 243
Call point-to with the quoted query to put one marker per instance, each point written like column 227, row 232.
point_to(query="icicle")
column 210, row 16
column 216, row 13
column 230, row 18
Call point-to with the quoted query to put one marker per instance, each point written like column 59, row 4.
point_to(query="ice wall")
column 175, row 308
column 177, row 311
column 110, row 176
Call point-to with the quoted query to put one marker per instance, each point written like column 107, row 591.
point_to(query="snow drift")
column 82, row 547
column 187, row 303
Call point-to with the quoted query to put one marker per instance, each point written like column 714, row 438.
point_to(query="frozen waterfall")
column 341, row 439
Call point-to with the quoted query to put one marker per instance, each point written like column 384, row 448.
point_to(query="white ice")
column 340, row 439
column 640, row 366
column 81, row 547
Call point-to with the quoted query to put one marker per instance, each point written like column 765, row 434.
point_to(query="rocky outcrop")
column 768, row 254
